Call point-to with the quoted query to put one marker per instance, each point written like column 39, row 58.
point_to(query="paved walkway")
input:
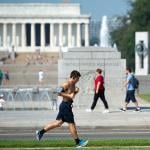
column 115, row 119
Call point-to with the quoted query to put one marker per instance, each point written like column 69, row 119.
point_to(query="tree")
column 137, row 19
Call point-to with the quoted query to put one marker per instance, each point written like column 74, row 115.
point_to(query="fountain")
column 104, row 33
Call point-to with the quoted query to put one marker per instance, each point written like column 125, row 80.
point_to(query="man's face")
column 127, row 72
column 75, row 80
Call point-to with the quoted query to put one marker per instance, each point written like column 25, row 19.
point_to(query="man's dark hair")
column 129, row 69
column 99, row 70
column 75, row 74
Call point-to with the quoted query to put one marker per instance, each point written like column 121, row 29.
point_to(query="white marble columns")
column 86, row 35
column 60, row 34
column 13, row 34
column 51, row 34
column 4, row 35
column 71, row 33
column 23, row 35
column 78, row 35
column 32, row 35
column 42, row 35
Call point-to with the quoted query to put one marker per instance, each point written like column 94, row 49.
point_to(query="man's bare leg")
column 126, row 105
column 137, row 106
column 53, row 124
column 73, row 130
column 49, row 126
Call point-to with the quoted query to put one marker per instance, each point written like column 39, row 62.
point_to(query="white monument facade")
column 44, row 26
column 142, row 53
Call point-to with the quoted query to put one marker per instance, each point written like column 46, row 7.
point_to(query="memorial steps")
column 3, row 56
column 25, row 74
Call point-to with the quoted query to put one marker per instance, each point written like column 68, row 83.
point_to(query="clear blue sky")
column 96, row 8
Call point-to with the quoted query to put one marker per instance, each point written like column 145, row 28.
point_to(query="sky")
column 95, row 8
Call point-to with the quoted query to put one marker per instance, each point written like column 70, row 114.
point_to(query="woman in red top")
column 99, row 91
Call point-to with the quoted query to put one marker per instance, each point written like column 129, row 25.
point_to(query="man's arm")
column 62, row 92
column 127, row 81
column 68, row 96
column 98, row 85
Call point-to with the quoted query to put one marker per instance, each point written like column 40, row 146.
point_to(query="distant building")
column 94, row 30
column 31, row 26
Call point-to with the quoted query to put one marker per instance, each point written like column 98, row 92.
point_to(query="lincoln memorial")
column 44, row 26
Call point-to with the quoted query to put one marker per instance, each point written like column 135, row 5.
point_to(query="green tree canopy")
column 137, row 19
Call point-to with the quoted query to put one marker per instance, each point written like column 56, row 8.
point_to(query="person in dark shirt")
column 1, row 77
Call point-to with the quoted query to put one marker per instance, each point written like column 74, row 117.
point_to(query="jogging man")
column 68, row 91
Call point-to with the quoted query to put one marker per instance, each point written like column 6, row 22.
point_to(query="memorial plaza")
column 55, row 39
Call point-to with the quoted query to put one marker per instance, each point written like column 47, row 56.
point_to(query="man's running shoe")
column 82, row 143
column 123, row 109
column 138, row 109
column 38, row 135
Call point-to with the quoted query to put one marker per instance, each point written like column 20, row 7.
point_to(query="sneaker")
column 82, row 143
column 138, row 109
column 38, row 135
column 106, row 111
column 123, row 109
column 88, row 110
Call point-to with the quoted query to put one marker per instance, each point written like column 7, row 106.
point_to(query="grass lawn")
column 128, row 144
column 145, row 97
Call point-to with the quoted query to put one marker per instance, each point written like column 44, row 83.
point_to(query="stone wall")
column 86, row 61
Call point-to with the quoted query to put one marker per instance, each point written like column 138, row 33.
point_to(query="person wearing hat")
column 2, row 101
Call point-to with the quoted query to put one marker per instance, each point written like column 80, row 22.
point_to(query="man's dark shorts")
column 65, row 112
column 130, row 96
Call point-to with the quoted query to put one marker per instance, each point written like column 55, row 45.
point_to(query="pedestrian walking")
column 2, row 102
column 130, row 91
column 1, row 77
column 99, row 91
column 6, row 77
column 41, row 76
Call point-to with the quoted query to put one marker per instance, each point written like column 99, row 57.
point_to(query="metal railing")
column 29, row 98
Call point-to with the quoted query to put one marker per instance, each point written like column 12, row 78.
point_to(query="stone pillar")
column 78, row 35
column 60, row 34
column 14, row 34
column 0, row 41
column 51, row 35
column 32, row 35
column 142, row 54
column 86, row 35
column 42, row 35
column 69, row 35
column 4, row 35
column 23, row 35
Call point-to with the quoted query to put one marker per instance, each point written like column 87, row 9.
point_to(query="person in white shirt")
column 2, row 102
column 41, row 76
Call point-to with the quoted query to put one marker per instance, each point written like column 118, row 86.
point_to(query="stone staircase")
column 3, row 56
column 22, row 74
